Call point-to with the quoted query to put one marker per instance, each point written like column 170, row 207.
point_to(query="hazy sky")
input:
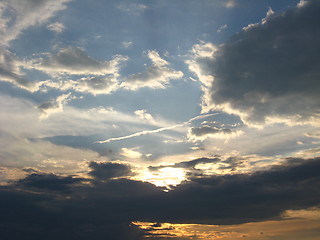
column 161, row 119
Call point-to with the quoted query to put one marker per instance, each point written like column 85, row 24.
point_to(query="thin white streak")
column 156, row 130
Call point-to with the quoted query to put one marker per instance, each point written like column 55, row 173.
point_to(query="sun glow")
column 165, row 177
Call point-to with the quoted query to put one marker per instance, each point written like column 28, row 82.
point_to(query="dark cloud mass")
column 108, row 170
column 48, row 182
column 270, row 69
column 103, row 210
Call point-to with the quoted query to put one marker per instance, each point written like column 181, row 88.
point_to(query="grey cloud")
column 10, row 71
column 270, row 71
column 74, row 60
column 204, row 130
column 96, row 85
column 233, row 163
column 109, row 170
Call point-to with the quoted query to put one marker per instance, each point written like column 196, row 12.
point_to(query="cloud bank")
column 61, row 206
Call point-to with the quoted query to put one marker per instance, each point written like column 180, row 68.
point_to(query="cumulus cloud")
column 16, row 15
column 268, row 72
column 158, row 75
column 109, row 170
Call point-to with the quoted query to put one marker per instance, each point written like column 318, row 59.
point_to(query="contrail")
column 156, row 130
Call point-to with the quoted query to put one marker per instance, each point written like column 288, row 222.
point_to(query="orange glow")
column 303, row 224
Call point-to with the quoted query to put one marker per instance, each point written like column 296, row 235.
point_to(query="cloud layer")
column 226, row 199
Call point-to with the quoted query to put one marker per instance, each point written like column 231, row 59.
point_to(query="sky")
column 160, row 119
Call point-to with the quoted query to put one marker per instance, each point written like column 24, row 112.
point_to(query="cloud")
column 132, row 8
column 267, row 73
column 143, row 115
column 16, row 15
column 221, row 28
column 130, row 153
column 89, row 208
column 230, row 4
column 187, row 164
column 158, row 75
column 94, row 85
column 137, row 134
column 10, row 71
column 48, row 108
column 56, row 27
column 205, row 131
column 48, row 182
column 109, row 170
column 126, row 44
column 75, row 61
column 98, row 77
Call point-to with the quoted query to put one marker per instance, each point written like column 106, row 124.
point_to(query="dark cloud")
column 108, row 170
column 204, row 130
column 270, row 70
column 48, row 182
column 104, row 209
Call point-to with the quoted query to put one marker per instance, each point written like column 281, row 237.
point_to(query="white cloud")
column 130, row 153
column 126, row 44
column 17, row 15
column 222, row 28
column 268, row 73
column 230, row 4
column 158, row 75
column 132, row 8
column 56, row 27
column 143, row 115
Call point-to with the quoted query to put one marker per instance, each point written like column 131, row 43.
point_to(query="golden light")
column 165, row 177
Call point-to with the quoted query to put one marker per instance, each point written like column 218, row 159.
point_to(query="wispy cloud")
column 137, row 134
